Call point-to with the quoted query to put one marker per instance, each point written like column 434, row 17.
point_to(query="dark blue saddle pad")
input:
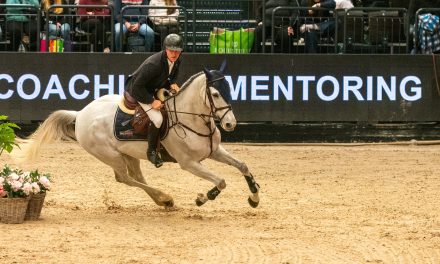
column 123, row 129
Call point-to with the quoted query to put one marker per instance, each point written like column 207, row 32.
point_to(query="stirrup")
column 154, row 158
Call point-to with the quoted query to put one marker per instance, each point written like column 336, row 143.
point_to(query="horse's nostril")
column 230, row 126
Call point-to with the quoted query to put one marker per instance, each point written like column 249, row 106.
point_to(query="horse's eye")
column 216, row 95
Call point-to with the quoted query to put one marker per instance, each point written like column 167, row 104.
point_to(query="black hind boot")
column 152, row 153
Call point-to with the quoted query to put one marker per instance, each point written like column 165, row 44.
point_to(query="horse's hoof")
column 168, row 204
column 199, row 203
column 252, row 203
column 201, row 199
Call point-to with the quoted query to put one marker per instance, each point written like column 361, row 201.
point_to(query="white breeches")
column 154, row 114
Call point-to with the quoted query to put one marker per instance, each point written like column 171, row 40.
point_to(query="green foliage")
column 7, row 134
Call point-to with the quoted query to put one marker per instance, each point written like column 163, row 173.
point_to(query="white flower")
column 14, row 176
column 2, row 180
column 16, row 185
column 27, row 188
column 35, row 187
column 45, row 182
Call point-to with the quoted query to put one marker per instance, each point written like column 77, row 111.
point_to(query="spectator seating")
column 373, row 30
column 359, row 30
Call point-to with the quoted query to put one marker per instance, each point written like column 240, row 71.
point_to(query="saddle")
column 140, row 120
column 132, row 122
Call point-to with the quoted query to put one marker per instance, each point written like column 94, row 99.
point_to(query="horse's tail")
column 60, row 125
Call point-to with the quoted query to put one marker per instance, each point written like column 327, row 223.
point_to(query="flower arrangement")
column 40, row 182
column 21, row 193
column 15, row 183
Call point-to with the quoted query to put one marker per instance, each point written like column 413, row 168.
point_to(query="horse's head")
column 219, row 98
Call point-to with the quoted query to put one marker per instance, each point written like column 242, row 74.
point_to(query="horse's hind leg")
column 121, row 163
column 221, row 155
column 134, row 168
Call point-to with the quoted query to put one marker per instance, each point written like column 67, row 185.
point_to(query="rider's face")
column 173, row 55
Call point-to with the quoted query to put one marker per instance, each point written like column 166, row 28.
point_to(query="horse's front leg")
column 221, row 155
column 199, row 170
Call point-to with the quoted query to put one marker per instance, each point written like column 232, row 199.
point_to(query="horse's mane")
column 185, row 85
column 190, row 80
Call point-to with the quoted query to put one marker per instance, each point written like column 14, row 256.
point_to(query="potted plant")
column 14, row 195
column 7, row 135
column 40, row 184
column 21, row 193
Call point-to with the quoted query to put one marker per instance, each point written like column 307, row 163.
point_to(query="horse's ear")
column 207, row 73
column 223, row 66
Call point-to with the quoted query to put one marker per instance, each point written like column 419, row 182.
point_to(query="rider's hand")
column 174, row 88
column 127, row 25
column 156, row 104
column 135, row 27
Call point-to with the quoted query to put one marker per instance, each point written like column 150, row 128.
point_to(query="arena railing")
column 372, row 30
column 415, row 32
column 356, row 30
column 353, row 32
column 200, row 19
column 80, row 38
column 204, row 16
column 182, row 23
column 10, row 41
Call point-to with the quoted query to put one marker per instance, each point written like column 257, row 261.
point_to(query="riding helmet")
column 173, row 42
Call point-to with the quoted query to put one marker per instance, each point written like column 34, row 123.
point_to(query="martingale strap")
column 174, row 120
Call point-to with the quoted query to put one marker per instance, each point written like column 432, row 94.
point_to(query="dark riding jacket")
column 150, row 76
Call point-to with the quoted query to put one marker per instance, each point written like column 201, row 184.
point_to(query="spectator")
column 283, row 25
column 58, row 20
column 320, row 24
column 428, row 39
column 166, row 21
column 95, row 21
column 134, row 21
column 415, row 5
column 20, row 21
column 333, row 4
column 315, row 24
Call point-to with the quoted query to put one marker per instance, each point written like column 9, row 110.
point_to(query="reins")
column 206, row 118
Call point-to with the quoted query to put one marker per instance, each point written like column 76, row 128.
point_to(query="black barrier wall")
column 274, row 88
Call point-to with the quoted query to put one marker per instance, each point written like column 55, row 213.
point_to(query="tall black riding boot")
column 152, row 154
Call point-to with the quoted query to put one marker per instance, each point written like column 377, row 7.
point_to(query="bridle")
column 174, row 120
column 215, row 109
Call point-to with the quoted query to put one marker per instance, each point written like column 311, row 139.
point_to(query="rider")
column 158, row 71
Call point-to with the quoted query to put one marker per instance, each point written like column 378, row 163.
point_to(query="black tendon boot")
column 152, row 154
